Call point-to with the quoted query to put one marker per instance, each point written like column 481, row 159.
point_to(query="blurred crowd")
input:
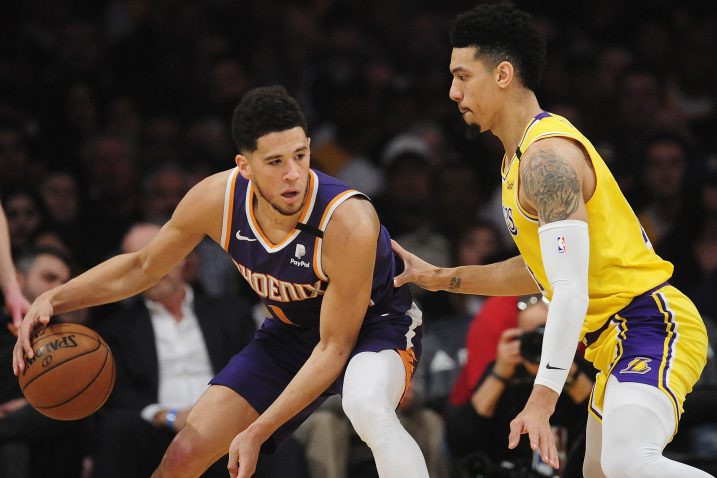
column 110, row 111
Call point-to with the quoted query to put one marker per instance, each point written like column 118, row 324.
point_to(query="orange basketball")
column 72, row 373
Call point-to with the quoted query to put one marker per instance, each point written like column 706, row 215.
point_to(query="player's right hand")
column 37, row 317
column 416, row 271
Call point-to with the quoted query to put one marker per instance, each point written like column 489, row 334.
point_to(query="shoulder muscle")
column 550, row 178
column 352, row 231
column 201, row 209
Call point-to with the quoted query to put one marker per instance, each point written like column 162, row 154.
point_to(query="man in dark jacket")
column 167, row 345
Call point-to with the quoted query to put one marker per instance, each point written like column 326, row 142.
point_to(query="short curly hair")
column 264, row 110
column 502, row 32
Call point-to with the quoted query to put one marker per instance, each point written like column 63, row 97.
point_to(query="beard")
column 282, row 210
column 472, row 131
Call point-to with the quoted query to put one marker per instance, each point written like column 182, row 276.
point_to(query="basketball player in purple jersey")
column 314, row 251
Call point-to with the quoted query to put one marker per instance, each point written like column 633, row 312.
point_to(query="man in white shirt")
column 167, row 346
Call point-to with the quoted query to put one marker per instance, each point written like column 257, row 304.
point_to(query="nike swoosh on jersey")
column 550, row 367
column 244, row 238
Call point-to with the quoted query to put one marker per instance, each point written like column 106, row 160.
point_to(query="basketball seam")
column 85, row 388
column 99, row 344
column 109, row 389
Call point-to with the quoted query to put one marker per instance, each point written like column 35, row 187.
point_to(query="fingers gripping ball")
column 72, row 373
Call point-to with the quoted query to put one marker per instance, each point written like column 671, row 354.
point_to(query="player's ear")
column 504, row 73
column 243, row 165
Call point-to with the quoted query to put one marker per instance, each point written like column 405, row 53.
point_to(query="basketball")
column 72, row 373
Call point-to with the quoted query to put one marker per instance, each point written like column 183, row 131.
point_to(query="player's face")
column 279, row 169
column 472, row 87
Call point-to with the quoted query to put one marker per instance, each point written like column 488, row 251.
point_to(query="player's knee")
column 629, row 462
column 180, row 456
column 368, row 415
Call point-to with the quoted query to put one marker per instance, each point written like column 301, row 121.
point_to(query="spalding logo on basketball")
column 72, row 373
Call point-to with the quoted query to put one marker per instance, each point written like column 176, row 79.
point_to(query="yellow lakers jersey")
column 622, row 262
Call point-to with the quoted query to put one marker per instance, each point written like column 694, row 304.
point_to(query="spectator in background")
column 690, row 243
column 407, row 201
column 14, row 161
column 166, row 348
column 60, row 193
column 641, row 111
column 459, row 197
column 25, row 215
column 31, row 444
column 706, row 246
column 477, row 243
column 162, row 189
column 496, row 315
column 407, row 194
column 123, row 118
column 501, row 392
column 112, row 178
column 664, row 170
column 160, row 141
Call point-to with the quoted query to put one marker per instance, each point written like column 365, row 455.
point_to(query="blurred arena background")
column 111, row 110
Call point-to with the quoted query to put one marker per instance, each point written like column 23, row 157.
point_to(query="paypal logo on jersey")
column 299, row 253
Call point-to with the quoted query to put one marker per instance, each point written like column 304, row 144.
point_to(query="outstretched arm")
column 509, row 277
column 16, row 303
column 556, row 179
column 198, row 214
column 349, row 254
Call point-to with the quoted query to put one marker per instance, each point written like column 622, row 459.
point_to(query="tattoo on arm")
column 455, row 283
column 552, row 185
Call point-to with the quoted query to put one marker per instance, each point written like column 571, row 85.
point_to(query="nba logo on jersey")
column 300, row 251
column 561, row 245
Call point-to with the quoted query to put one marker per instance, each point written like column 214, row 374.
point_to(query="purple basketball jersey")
column 288, row 276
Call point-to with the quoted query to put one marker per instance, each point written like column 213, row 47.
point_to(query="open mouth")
column 290, row 194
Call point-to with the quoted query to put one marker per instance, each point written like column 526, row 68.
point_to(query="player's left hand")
column 244, row 454
column 535, row 421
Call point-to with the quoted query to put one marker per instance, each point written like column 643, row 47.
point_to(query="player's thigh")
column 218, row 416
column 378, row 376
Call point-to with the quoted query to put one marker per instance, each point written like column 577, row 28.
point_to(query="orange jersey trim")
column 228, row 209
column 308, row 206
column 281, row 315
column 408, row 357
column 328, row 212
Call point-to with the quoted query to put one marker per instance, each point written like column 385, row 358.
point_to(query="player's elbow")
column 147, row 272
column 571, row 290
column 570, row 298
column 339, row 348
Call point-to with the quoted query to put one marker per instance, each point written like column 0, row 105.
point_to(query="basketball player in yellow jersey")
column 581, row 243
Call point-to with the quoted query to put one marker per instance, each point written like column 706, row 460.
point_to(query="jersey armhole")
column 325, row 218
column 228, row 212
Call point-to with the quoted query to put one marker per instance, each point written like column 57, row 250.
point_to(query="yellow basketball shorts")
column 659, row 339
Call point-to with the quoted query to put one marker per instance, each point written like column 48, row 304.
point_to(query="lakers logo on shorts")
column 638, row 365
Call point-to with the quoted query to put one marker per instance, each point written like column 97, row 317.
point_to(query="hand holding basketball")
column 71, row 372
column 38, row 316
